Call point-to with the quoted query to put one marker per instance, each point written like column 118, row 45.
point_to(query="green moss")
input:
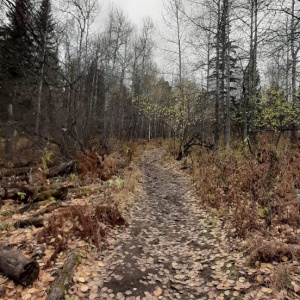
column 263, row 213
column 6, row 213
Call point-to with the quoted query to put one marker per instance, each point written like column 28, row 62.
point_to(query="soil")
column 167, row 250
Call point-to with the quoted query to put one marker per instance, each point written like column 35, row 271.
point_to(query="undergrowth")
column 117, row 174
column 88, row 223
column 254, row 191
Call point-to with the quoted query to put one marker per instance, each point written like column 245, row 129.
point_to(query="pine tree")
column 16, row 42
column 16, row 65
column 46, row 46
column 46, row 52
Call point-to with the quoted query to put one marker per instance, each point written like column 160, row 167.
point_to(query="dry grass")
column 131, row 178
column 88, row 165
column 257, row 197
column 252, row 192
column 85, row 222
column 125, row 193
column 280, row 278
column 273, row 250
column 119, row 172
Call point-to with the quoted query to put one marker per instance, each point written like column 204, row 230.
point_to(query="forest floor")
column 172, row 248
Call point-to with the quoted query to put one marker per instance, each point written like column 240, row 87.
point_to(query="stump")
column 19, row 268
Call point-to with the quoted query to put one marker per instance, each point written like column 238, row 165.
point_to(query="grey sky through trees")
column 138, row 9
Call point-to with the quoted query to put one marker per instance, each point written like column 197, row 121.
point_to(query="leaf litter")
column 172, row 249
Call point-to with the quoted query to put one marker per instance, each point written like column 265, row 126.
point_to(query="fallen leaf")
column 296, row 288
column 81, row 243
column 259, row 278
column 84, row 288
column 101, row 264
column 211, row 295
column 179, row 277
column 267, row 290
column 32, row 290
column 158, row 292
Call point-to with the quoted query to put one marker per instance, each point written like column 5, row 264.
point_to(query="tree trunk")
column 39, row 100
column 149, row 130
column 206, row 101
column 228, row 94
column 294, row 55
column 178, row 28
column 10, row 132
column 217, row 98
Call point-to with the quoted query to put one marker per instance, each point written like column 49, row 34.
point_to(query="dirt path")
column 171, row 249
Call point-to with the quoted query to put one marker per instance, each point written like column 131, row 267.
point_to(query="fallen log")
column 80, row 192
column 48, row 209
column 52, row 205
column 194, row 141
column 8, row 164
column 19, row 268
column 36, row 222
column 59, row 194
column 29, row 194
column 65, row 278
column 34, row 206
column 20, row 192
column 6, row 181
column 62, row 169
column 15, row 172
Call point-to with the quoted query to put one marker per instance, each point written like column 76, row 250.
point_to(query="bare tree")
column 142, row 65
column 175, row 36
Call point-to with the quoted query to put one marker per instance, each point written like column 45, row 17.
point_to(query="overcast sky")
column 138, row 9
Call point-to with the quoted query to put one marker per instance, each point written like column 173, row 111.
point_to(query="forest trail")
column 171, row 248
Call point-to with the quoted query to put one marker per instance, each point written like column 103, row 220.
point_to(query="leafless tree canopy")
column 218, row 70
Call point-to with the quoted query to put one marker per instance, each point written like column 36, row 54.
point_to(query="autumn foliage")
column 253, row 191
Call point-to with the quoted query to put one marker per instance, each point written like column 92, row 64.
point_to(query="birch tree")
column 175, row 37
